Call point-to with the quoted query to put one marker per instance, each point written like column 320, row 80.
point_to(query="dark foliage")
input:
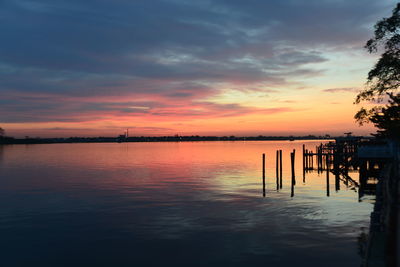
column 386, row 118
column 384, row 78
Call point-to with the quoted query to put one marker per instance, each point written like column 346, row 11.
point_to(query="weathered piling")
column 312, row 161
column 304, row 163
column 263, row 173
column 317, row 159
column 280, row 169
column 292, row 158
column 317, row 152
column 292, row 163
column 327, row 175
column 277, row 170
column 321, row 162
column 307, row 159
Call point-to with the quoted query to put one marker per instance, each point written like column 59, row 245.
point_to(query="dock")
column 378, row 166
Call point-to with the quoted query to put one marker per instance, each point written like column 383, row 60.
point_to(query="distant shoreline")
column 121, row 139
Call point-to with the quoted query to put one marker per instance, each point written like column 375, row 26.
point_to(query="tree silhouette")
column 386, row 118
column 384, row 79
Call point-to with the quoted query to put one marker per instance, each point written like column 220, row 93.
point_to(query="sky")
column 166, row 67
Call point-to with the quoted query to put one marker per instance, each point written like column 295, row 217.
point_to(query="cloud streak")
column 341, row 90
column 58, row 109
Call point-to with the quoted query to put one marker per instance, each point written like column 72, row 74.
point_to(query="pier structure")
column 339, row 157
column 377, row 164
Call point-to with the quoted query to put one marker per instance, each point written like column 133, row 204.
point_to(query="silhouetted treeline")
column 176, row 138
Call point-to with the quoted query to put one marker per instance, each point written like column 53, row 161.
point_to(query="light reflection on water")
column 181, row 204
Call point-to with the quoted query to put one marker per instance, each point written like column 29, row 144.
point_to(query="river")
column 172, row 204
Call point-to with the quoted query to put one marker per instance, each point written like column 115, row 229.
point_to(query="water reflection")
column 182, row 204
column 1, row 152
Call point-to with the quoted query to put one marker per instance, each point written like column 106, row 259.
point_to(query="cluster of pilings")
column 279, row 171
column 330, row 156
column 379, row 175
column 339, row 158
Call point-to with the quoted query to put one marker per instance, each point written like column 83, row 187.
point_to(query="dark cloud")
column 168, row 49
column 53, row 109
column 134, row 128
column 209, row 109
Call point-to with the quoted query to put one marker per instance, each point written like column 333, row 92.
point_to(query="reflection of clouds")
column 205, row 193
column 215, row 211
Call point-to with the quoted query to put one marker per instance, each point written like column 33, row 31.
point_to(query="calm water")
column 171, row 204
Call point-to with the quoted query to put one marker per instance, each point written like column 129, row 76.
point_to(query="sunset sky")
column 165, row 67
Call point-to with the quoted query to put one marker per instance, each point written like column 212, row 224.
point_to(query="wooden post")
column 308, row 160
column 277, row 170
column 312, row 162
column 293, row 165
column 263, row 172
column 304, row 157
column 336, row 168
column 322, row 162
column 327, row 176
column 304, row 164
column 345, row 157
column 280, row 169
column 319, row 159
column 293, row 177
